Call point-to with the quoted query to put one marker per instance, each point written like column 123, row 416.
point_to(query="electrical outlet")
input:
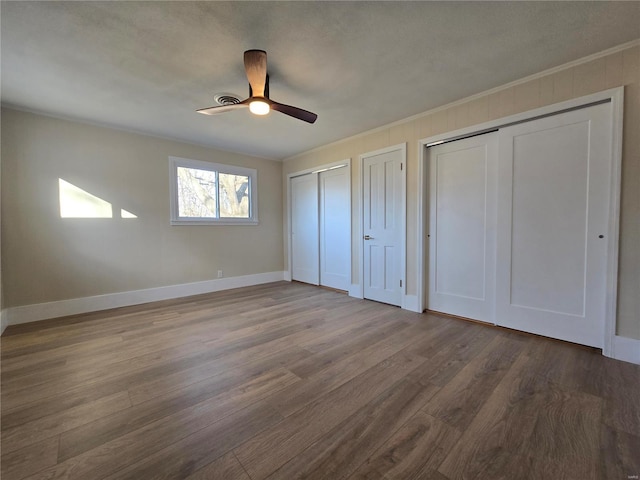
column 220, row 274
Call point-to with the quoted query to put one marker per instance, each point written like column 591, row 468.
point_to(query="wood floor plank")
column 566, row 364
column 266, row 452
column 201, row 313
column 620, row 454
column 339, row 453
column 455, row 355
column 226, row 467
column 71, row 341
column 414, row 451
column 20, row 463
column 360, row 318
column 458, row 402
column 54, row 425
column 102, row 355
column 76, row 462
column 289, row 380
column 338, row 373
column 199, row 323
column 103, row 430
column 52, row 382
column 321, row 360
column 620, row 382
column 427, row 474
column 57, row 404
column 588, row 371
column 35, row 369
column 160, row 386
column 528, row 413
column 193, row 364
column 190, row 454
column 446, row 333
column 29, row 359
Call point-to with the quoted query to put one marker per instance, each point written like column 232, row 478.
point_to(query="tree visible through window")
column 211, row 193
column 234, row 195
column 197, row 193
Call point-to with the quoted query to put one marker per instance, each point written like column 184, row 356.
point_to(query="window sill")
column 216, row 222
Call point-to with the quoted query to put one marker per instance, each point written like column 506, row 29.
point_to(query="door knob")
column 367, row 237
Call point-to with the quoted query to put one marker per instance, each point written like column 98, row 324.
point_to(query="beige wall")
column 47, row 258
column 2, row 326
column 612, row 70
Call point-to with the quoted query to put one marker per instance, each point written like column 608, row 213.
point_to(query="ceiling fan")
column 259, row 103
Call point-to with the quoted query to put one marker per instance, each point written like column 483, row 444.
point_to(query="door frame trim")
column 317, row 169
column 616, row 97
column 402, row 148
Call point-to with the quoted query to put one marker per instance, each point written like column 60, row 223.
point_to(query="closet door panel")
column 549, row 218
column 462, row 223
column 553, row 209
column 335, row 228
column 305, row 244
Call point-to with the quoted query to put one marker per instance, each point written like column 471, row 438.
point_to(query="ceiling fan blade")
column 222, row 108
column 295, row 112
column 255, row 64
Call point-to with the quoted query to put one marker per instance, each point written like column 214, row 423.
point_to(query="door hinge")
column 400, row 166
column 400, row 282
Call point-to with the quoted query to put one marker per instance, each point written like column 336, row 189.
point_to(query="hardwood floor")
column 286, row 381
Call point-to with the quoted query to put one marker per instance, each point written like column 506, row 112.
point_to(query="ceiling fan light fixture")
column 259, row 107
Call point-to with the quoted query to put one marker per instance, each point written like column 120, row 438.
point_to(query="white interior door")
column 383, row 235
column 305, row 248
column 553, row 204
column 462, row 227
column 335, row 228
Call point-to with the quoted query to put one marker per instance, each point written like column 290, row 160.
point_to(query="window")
column 211, row 193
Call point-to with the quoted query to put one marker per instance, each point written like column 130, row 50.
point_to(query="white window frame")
column 175, row 162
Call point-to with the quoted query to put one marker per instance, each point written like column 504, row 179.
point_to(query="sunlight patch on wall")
column 78, row 203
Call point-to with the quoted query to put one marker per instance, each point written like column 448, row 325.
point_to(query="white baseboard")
column 355, row 290
column 625, row 349
column 410, row 302
column 4, row 321
column 43, row 311
column 287, row 275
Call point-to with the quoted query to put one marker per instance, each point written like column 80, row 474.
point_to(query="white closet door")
column 462, row 225
column 383, row 235
column 553, row 204
column 335, row 228
column 305, row 265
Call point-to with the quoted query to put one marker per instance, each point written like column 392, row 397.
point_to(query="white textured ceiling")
column 147, row 66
